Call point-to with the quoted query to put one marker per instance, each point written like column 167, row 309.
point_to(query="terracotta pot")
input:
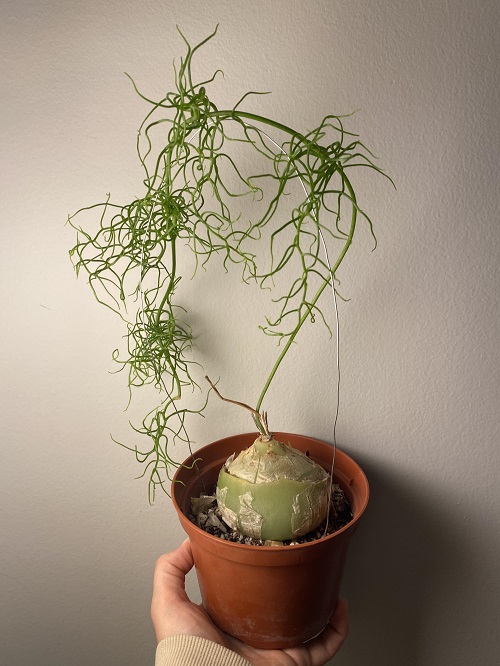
column 269, row 597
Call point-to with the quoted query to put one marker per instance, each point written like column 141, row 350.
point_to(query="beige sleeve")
column 195, row 651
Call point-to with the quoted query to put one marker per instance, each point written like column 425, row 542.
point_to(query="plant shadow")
column 403, row 560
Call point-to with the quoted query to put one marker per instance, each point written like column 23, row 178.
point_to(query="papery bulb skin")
column 272, row 491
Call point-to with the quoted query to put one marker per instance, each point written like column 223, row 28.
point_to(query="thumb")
column 170, row 574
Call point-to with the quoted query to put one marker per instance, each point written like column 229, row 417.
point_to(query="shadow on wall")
column 403, row 561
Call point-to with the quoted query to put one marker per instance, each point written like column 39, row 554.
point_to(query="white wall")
column 420, row 335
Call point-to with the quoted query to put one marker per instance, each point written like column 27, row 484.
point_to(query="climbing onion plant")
column 190, row 186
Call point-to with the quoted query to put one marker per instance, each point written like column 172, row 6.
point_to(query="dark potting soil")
column 206, row 515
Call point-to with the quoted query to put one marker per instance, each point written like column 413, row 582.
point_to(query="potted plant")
column 193, row 187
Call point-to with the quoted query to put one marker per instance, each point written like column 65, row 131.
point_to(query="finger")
column 328, row 643
column 170, row 574
column 339, row 619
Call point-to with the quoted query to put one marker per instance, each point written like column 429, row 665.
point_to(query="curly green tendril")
column 191, row 184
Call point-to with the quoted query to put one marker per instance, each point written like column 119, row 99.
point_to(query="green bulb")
column 273, row 492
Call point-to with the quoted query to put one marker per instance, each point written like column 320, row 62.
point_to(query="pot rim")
column 189, row 463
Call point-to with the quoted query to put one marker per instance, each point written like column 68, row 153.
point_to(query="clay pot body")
column 277, row 596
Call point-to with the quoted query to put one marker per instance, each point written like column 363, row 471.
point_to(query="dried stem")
column 260, row 418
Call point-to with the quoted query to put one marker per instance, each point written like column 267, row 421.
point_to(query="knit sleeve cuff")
column 195, row 651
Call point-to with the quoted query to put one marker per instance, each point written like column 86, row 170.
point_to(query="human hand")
column 173, row 613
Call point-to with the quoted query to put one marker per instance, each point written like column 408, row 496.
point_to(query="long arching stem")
column 316, row 297
column 235, row 115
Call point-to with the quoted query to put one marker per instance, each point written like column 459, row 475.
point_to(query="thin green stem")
column 171, row 284
column 315, row 299
column 232, row 113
